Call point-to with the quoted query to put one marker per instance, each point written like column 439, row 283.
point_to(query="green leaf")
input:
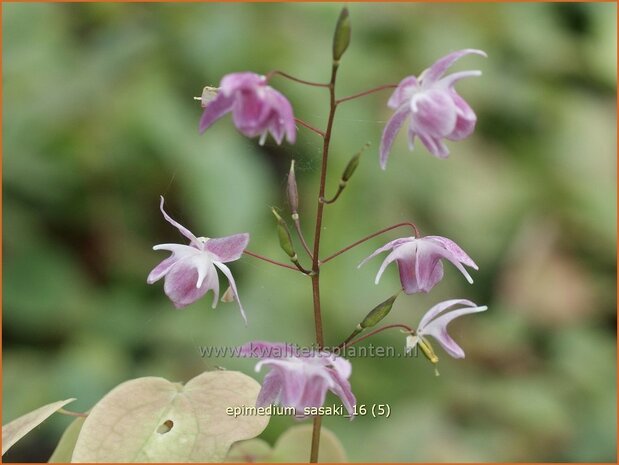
column 154, row 420
column 64, row 449
column 18, row 428
column 294, row 446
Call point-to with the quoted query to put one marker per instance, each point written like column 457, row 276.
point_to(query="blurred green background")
column 99, row 121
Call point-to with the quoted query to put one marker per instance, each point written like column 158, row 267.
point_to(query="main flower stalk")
column 316, row 252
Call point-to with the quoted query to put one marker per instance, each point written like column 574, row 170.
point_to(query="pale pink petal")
column 465, row 124
column 216, row 108
column 342, row 366
column 293, row 379
column 389, row 133
column 211, row 282
column 226, row 271
column 263, row 349
column 408, row 276
column 403, row 252
column 250, row 113
column 160, row 270
column 271, row 389
column 433, row 113
column 180, row 283
column 284, row 115
column 314, row 393
column 425, row 265
column 229, row 248
column 454, row 249
column 449, row 81
column 434, row 145
column 403, row 92
column 178, row 250
column 441, row 307
column 388, row 246
column 341, row 387
column 183, row 230
column 234, row 82
column 434, row 72
column 437, row 328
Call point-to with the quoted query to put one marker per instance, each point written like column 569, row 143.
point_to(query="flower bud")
column 351, row 167
column 341, row 38
column 293, row 194
column 378, row 313
column 285, row 240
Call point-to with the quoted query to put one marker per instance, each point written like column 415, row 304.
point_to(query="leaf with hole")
column 154, row 420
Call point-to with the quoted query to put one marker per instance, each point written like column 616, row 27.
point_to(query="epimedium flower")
column 434, row 323
column 256, row 107
column 419, row 261
column 434, row 108
column 300, row 378
column 190, row 272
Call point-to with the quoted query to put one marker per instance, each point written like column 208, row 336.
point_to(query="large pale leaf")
column 154, row 420
column 18, row 428
column 64, row 449
column 292, row 446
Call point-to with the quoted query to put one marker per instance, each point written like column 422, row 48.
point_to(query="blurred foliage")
column 99, row 121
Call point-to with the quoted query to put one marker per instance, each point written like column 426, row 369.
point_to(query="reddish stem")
column 365, row 92
column 275, row 72
column 373, row 333
column 315, row 445
column 274, row 262
column 361, row 241
column 310, row 127
column 297, row 225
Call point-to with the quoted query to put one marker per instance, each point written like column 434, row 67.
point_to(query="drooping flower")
column 434, row 324
column 419, row 261
column 190, row 272
column 435, row 109
column 256, row 107
column 300, row 378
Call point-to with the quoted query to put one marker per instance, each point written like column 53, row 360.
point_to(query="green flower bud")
column 378, row 313
column 351, row 167
column 341, row 38
column 293, row 194
column 285, row 240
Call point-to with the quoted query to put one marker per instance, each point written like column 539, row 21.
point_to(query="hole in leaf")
column 165, row 427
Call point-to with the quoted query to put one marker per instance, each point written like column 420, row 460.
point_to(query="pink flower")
column 300, row 378
column 256, row 107
column 190, row 272
column 436, row 326
column 419, row 261
column 435, row 109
